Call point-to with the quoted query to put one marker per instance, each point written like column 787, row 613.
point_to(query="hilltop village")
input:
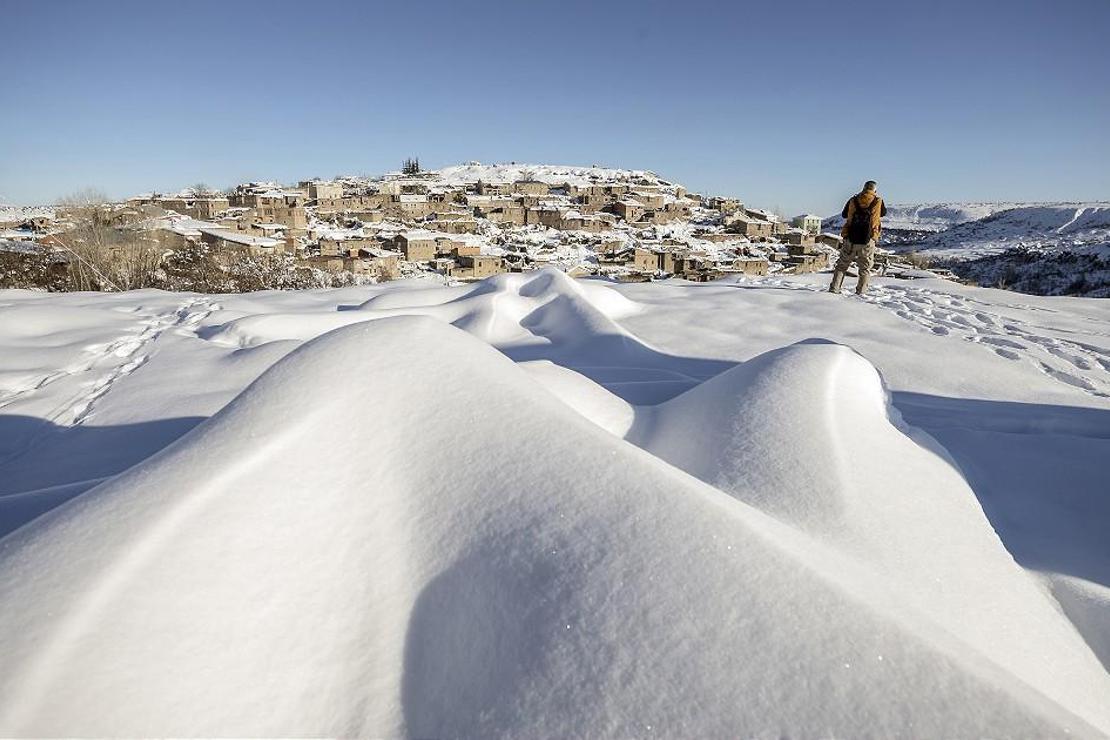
column 472, row 221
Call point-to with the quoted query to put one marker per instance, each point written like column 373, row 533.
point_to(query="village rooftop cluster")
column 472, row 221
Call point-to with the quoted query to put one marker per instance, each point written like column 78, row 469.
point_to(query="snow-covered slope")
column 939, row 216
column 551, row 174
column 1056, row 225
column 968, row 230
column 1042, row 248
column 539, row 506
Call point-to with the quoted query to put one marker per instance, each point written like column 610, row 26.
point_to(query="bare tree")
column 107, row 251
column 84, row 198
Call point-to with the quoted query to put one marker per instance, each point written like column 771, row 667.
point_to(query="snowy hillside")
column 938, row 216
column 967, row 230
column 551, row 174
column 1041, row 248
column 534, row 506
column 1047, row 226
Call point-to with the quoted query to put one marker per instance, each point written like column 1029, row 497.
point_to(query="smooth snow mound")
column 445, row 549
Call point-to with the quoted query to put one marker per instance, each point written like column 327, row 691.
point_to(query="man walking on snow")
column 862, row 226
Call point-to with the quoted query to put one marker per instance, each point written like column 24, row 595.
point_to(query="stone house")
column 417, row 245
column 493, row 188
column 751, row 265
column 811, row 262
column 227, row 239
column 403, row 186
column 808, row 223
column 466, row 250
column 645, row 260
column 717, row 237
column 727, row 206
column 369, row 217
column 411, row 206
column 574, row 190
column 630, row 210
column 326, row 263
column 547, row 215
column 531, row 187
column 504, row 213
column 476, row 267
column 447, row 225
column 339, row 247
column 741, row 223
column 275, row 231
column 293, row 217
column 373, row 261
column 703, row 274
column 320, row 190
column 649, row 200
column 799, row 238
column 592, row 202
column 620, row 256
column 203, row 208
column 207, row 208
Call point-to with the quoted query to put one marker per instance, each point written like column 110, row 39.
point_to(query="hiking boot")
column 861, row 286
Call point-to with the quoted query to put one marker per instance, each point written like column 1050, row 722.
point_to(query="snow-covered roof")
column 238, row 237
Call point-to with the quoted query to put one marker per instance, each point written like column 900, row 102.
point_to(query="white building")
column 808, row 223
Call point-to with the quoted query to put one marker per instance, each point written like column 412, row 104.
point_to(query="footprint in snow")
column 1002, row 342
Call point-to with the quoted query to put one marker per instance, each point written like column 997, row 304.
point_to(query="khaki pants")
column 864, row 257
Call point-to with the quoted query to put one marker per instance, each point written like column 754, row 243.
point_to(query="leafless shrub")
column 918, row 260
column 33, row 268
column 104, row 253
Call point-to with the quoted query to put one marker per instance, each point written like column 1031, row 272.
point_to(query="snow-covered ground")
column 535, row 506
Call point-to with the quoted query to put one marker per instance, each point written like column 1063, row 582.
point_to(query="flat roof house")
column 228, row 239
column 418, row 245
column 808, row 223
column 476, row 267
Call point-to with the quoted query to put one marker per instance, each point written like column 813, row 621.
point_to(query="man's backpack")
column 859, row 228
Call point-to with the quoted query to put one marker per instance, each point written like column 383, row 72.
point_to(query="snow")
column 239, row 237
column 551, row 174
column 17, row 214
column 535, row 506
column 970, row 230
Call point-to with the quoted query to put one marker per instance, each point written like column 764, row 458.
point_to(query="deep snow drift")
column 535, row 506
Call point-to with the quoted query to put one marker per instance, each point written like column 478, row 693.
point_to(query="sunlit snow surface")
column 535, row 506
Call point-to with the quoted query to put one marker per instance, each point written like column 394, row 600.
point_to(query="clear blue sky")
column 784, row 104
